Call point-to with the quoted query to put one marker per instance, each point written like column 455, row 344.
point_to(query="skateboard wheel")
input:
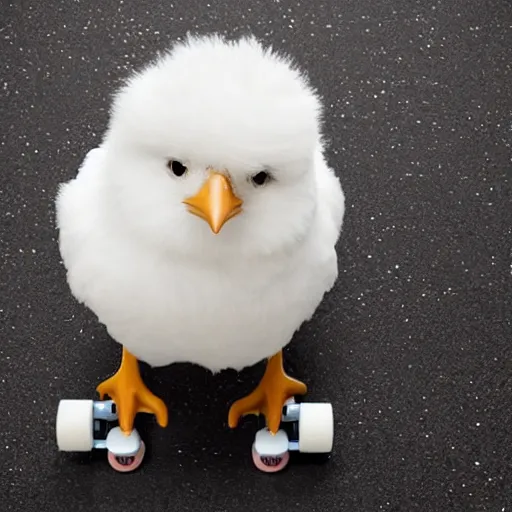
column 126, row 464
column 316, row 428
column 270, row 452
column 125, row 451
column 270, row 463
column 74, row 428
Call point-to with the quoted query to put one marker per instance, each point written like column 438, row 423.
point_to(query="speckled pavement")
column 413, row 346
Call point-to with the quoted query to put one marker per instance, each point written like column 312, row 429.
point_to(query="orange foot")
column 130, row 394
column 269, row 397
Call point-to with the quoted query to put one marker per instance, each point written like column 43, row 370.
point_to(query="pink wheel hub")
column 270, row 463
column 125, row 464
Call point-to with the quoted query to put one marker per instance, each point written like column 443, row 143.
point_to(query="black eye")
column 261, row 178
column 177, row 168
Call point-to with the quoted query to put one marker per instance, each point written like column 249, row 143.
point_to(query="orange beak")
column 216, row 202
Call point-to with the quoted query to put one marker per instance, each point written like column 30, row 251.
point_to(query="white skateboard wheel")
column 266, row 443
column 121, row 444
column 316, row 428
column 75, row 426
column 270, row 452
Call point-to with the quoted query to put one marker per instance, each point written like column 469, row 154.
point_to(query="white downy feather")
column 164, row 285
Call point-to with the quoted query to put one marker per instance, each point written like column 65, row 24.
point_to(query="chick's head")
column 211, row 150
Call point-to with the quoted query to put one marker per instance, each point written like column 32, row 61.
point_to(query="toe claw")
column 273, row 426
column 251, row 404
column 104, row 389
column 296, row 388
column 153, row 405
column 233, row 418
column 241, row 408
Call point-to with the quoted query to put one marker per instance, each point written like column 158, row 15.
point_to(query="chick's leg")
column 130, row 394
column 274, row 389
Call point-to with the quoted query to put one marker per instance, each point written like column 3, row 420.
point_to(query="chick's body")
column 165, row 309
column 166, row 287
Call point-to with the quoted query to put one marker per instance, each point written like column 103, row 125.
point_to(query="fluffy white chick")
column 203, row 228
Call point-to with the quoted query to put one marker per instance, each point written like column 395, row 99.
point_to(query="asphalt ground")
column 412, row 347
